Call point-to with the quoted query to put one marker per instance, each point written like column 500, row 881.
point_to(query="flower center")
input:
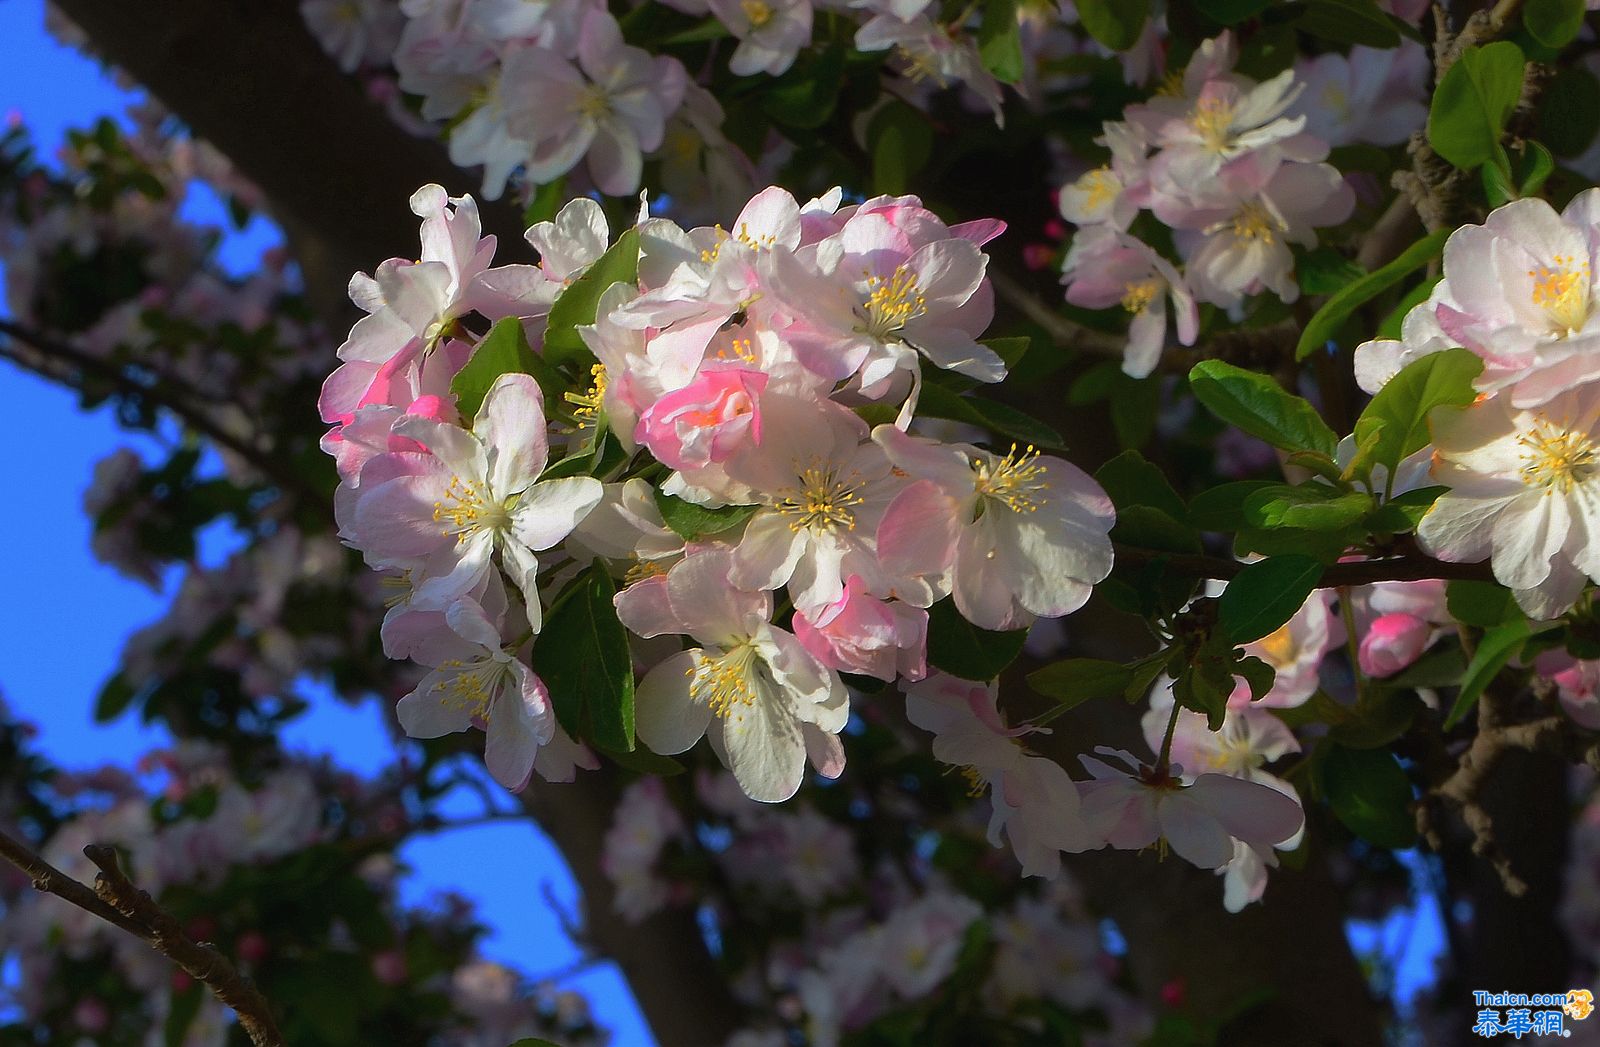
column 1555, row 459
column 1235, row 755
column 1100, row 187
column 587, row 405
column 1012, row 481
column 1138, row 294
column 466, row 509
column 892, row 303
column 1563, row 292
column 824, row 501
column 1213, row 121
column 593, row 103
column 470, row 685
column 723, row 681
column 1255, row 222
column 759, row 12
column 1279, row 647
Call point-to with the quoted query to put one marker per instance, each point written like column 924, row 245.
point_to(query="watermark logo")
column 1517, row 1014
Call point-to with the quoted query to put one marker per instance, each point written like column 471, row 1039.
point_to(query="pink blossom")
column 707, row 420
column 859, row 633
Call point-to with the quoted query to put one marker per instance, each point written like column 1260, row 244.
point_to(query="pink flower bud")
column 706, row 420
column 862, row 634
column 1393, row 641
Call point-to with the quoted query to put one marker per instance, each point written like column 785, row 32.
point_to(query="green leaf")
column 1221, row 508
column 1473, row 102
column 1403, row 405
column 690, row 521
column 1384, row 714
column 1258, row 675
column 1497, row 187
column 1325, row 323
column 504, row 350
column 114, row 699
column 902, row 143
column 962, row 649
column 1568, row 114
column 1311, row 506
column 1554, row 23
column 1077, row 680
column 1325, row 271
column 1146, row 527
column 1370, row 793
column 1011, row 350
column 576, row 305
column 1266, row 594
column 939, row 402
column 1348, row 22
column 1231, row 12
column 1131, row 480
column 1404, row 511
column 1480, row 604
column 1390, row 328
column 710, row 29
column 1114, row 23
column 807, row 95
column 582, row 656
column 1534, row 168
column 1000, row 40
column 1259, row 406
column 1499, row 645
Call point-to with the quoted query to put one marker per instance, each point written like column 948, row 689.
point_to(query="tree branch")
column 161, row 390
column 117, row 901
column 1358, row 572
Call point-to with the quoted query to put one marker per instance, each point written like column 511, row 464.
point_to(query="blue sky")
column 68, row 615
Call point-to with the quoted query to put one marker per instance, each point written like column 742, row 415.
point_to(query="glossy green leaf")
column 1568, row 115
column 1554, row 23
column 1325, row 323
column 807, row 95
column 691, row 522
column 1260, row 406
column 1231, row 12
column 1077, row 680
column 901, row 139
column 1500, row 644
column 939, row 402
column 504, row 350
column 1132, row 480
column 1221, row 508
column 1370, row 793
column 1348, row 22
column 576, row 305
column 582, row 656
column 1000, row 41
column 962, row 649
column 1403, row 405
column 1473, row 102
column 1266, row 594
column 1114, row 23
column 1311, row 506
column 1480, row 604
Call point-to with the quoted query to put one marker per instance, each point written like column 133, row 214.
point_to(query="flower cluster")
column 733, row 372
column 1228, row 166
column 1518, row 291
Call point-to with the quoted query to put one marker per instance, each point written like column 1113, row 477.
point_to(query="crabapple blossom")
column 476, row 682
column 1522, row 483
column 1034, row 801
column 472, row 495
column 1200, row 821
column 1105, row 268
column 1009, row 537
column 765, row 702
column 770, row 33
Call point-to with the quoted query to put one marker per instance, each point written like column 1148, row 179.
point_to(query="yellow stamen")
column 1555, row 459
column 1212, row 120
column 466, row 509
column 1137, row 295
column 892, row 303
column 1012, row 481
column 1255, row 222
column 723, row 681
column 1563, row 292
column 759, row 12
column 588, row 404
column 470, row 686
column 824, row 500
column 1099, row 188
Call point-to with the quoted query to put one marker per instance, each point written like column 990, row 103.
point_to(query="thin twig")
column 117, row 901
column 202, row 961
